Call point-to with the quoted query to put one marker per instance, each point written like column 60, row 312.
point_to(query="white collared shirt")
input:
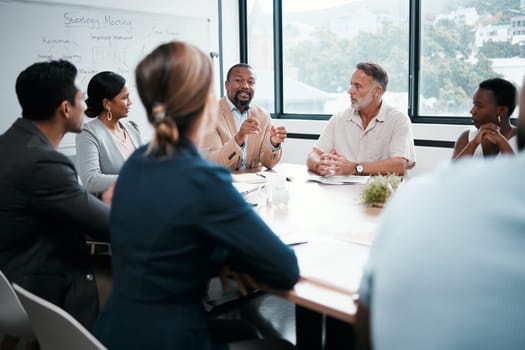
column 239, row 119
column 388, row 135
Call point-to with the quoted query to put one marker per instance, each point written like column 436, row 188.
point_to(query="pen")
column 261, row 175
column 297, row 243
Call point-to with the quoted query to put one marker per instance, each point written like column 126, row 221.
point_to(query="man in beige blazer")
column 244, row 136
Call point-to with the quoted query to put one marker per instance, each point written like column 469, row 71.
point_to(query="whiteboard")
column 94, row 39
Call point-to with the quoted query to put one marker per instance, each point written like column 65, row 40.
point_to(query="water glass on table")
column 278, row 194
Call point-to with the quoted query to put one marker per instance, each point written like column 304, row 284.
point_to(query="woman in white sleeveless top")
column 493, row 103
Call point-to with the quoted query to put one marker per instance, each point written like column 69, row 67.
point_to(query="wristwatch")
column 359, row 168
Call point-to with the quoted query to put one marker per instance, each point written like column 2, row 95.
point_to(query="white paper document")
column 332, row 263
column 340, row 180
column 250, row 178
column 246, row 188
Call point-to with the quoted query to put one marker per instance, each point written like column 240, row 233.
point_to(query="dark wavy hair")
column 43, row 86
column 102, row 85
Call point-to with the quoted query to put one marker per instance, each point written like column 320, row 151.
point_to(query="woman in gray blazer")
column 106, row 142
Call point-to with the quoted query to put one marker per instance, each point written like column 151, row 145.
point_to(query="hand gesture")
column 278, row 135
column 485, row 129
column 331, row 164
column 107, row 196
column 250, row 126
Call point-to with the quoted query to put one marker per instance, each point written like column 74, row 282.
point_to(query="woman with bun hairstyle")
column 177, row 220
column 106, row 142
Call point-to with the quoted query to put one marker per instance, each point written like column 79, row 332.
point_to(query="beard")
column 365, row 101
column 240, row 102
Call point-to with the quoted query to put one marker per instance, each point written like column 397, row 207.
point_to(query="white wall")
column 427, row 158
column 230, row 34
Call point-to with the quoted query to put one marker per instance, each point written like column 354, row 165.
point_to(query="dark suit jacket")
column 43, row 211
column 174, row 221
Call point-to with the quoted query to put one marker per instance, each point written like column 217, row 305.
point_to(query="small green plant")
column 379, row 188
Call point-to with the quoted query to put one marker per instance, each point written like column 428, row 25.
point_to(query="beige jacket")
column 223, row 149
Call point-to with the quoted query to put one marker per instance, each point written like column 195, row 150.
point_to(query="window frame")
column 413, row 67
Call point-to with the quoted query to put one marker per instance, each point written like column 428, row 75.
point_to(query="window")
column 260, row 50
column 324, row 40
column 435, row 52
column 462, row 43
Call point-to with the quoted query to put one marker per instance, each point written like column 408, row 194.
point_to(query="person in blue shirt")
column 446, row 266
column 176, row 219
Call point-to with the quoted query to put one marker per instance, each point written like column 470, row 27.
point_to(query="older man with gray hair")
column 368, row 138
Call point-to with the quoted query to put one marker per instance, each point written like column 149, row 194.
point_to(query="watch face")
column 359, row 168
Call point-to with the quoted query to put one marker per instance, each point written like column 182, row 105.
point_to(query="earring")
column 499, row 119
column 110, row 116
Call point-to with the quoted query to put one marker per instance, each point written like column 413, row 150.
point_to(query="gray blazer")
column 98, row 158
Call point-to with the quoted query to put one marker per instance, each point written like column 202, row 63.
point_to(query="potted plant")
column 379, row 188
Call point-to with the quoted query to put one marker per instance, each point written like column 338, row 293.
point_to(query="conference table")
column 330, row 230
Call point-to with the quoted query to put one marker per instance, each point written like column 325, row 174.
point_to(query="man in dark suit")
column 44, row 211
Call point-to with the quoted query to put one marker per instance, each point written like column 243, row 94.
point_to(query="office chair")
column 55, row 328
column 14, row 323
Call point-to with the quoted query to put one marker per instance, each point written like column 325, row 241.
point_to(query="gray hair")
column 375, row 71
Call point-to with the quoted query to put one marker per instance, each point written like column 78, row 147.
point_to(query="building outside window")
column 461, row 43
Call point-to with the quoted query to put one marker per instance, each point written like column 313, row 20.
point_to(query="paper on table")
column 245, row 188
column 250, row 178
column 333, row 263
column 340, row 180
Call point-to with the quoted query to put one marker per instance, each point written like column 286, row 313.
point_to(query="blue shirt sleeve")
column 252, row 246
